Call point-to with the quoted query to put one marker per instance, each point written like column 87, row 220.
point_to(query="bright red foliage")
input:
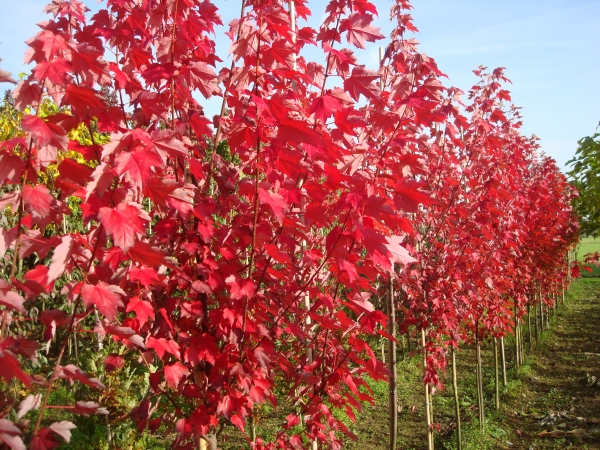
column 233, row 272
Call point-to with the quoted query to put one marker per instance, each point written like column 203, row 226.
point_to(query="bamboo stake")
column 393, row 392
column 456, row 402
column 308, row 320
column 541, row 316
column 537, row 331
column 427, row 395
column 479, row 379
column 521, row 344
column 529, row 324
column 496, row 373
column 503, row 361
column 517, row 356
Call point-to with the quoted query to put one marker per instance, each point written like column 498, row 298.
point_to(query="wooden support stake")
column 427, row 394
column 503, row 361
column 393, row 390
column 479, row 379
column 529, row 324
column 456, row 402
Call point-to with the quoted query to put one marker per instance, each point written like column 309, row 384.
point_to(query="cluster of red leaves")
column 497, row 231
column 224, row 275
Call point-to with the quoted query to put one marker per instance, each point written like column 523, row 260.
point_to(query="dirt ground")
column 560, row 405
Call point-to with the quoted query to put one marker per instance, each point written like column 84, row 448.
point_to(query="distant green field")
column 588, row 245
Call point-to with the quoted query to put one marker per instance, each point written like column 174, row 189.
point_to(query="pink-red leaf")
column 106, row 297
column 123, row 223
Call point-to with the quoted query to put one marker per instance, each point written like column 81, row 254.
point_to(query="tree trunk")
column 427, row 394
column 479, row 379
column 252, row 429
column 521, row 344
column 503, row 361
column 456, row 402
column 517, row 355
column 529, row 325
column 541, row 316
column 537, row 331
column 393, row 393
column 496, row 373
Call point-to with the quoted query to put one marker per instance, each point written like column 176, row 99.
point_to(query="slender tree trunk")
column 503, row 361
column 521, row 344
column 529, row 324
column 408, row 346
column 537, row 331
column 456, row 402
column 109, row 438
column 427, row 394
column 252, row 429
column 541, row 317
column 517, row 354
column 479, row 379
column 308, row 321
column 496, row 373
column 393, row 394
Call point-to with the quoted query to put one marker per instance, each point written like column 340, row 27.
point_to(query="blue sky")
column 551, row 50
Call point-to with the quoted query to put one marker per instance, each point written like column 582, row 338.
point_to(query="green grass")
column 588, row 245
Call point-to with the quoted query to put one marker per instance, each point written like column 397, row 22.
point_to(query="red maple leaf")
column 27, row 94
column 38, row 200
column 11, row 168
column 10, row 298
column 54, row 71
column 83, row 98
column 113, row 362
column 359, row 29
column 11, row 435
column 136, row 166
column 275, row 201
column 162, row 345
column 123, row 223
column 174, row 373
column 106, row 297
column 44, row 133
column 360, row 83
column 62, row 254
column 398, row 253
column 73, row 373
column 143, row 309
